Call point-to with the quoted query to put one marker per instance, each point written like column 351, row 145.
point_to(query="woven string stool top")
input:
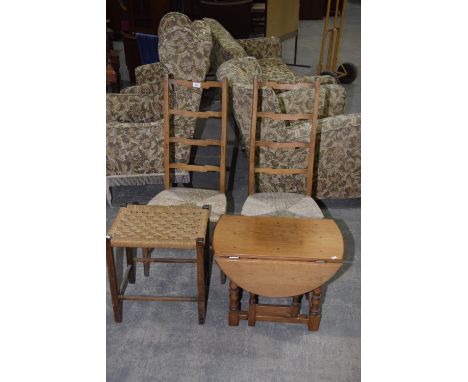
column 148, row 226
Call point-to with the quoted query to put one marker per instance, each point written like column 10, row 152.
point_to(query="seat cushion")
column 281, row 204
column 193, row 197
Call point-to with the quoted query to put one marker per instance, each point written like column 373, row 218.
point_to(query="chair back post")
column 167, row 175
column 168, row 111
column 253, row 134
column 312, row 117
column 313, row 135
column 223, row 143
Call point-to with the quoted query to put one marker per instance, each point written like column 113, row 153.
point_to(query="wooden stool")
column 277, row 257
column 143, row 226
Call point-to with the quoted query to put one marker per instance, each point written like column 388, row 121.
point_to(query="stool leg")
column 253, row 301
column 201, row 280
column 234, row 304
column 223, row 276
column 314, row 309
column 146, row 255
column 114, row 289
column 132, row 274
column 296, row 306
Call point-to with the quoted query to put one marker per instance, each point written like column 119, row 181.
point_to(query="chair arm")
column 262, row 47
column 150, row 73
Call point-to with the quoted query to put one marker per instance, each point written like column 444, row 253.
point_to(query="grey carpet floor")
column 163, row 341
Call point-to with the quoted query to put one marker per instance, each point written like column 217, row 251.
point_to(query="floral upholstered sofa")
column 134, row 117
column 266, row 50
column 338, row 146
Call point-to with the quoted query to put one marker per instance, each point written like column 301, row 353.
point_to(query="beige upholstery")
column 193, row 197
column 281, row 204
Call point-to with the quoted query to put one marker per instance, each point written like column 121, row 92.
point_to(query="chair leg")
column 146, row 255
column 132, row 274
column 201, row 280
column 114, row 288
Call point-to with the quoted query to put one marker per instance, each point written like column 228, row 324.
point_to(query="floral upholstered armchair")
column 338, row 151
column 184, row 52
column 134, row 139
column 266, row 50
column 134, row 117
column 241, row 71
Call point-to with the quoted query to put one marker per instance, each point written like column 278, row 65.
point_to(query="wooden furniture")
column 346, row 72
column 193, row 196
column 277, row 257
column 282, row 18
column 158, row 227
column 308, row 171
column 168, row 166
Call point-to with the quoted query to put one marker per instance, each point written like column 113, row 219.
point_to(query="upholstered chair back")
column 225, row 47
column 240, row 73
column 185, row 47
column 173, row 19
column 184, row 51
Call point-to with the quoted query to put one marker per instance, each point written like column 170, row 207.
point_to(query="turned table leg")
column 234, row 304
column 253, row 301
column 114, row 288
column 314, row 309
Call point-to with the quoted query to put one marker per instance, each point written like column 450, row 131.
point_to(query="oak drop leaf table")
column 277, row 257
column 148, row 227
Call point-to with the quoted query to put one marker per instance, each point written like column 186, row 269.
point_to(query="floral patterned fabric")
column 331, row 103
column 225, row 46
column 151, row 73
column 324, row 80
column 337, row 164
column 134, row 135
column 173, row 19
column 337, row 158
column 185, row 51
column 274, row 69
column 134, row 148
column 132, row 108
column 240, row 73
column 262, row 47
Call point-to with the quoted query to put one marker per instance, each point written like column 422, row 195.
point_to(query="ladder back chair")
column 182, row 196
column 282, row 203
